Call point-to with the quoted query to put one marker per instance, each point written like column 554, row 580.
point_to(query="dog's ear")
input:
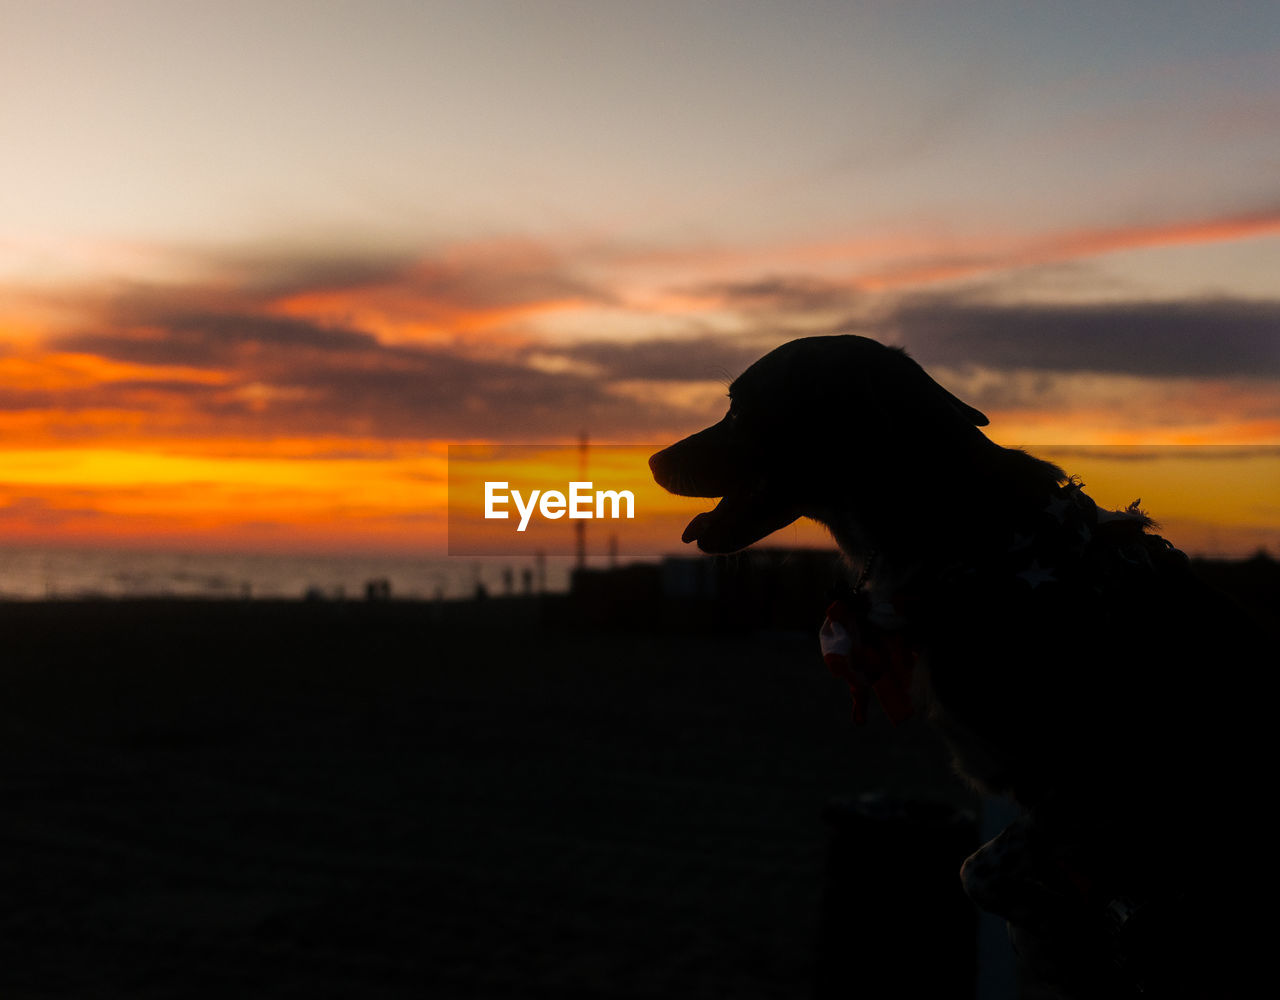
column 974, row 416
column 970, row 413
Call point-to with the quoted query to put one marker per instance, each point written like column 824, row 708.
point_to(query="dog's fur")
column 1105, row 694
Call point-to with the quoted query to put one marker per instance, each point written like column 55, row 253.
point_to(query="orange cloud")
column 1004, row 253
column 491, row 287
column 899, row 261
column 65, row 370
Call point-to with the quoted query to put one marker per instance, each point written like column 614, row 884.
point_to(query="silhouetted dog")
column 1070, row 657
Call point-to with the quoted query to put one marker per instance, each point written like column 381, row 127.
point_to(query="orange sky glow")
column 144, row 449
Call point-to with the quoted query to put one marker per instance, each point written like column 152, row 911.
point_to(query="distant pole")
column 580, row 526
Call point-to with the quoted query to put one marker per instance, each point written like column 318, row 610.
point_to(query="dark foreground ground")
column 384, row 800
column 360, row 800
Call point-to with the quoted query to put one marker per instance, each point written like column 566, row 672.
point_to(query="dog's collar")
column 865, row 573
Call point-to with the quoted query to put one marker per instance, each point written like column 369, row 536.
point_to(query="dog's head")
column 808, row 424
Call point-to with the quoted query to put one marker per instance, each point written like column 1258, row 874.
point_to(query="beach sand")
column 360, row 800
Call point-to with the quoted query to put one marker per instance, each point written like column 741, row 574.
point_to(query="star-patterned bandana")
column 1070, row 542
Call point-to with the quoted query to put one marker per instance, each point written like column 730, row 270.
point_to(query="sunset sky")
column 261, row 262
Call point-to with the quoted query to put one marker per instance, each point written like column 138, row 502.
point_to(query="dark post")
column 580, row 526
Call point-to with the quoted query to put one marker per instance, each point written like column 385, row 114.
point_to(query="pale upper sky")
column 625, row 124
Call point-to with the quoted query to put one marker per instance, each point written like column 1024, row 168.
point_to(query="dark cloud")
column 202, row 340
column 290, row 376
column 412, row 392
column 42, row 512
column 282, row 376
column 131, row 394
column 1208, row 338
column 501, row 281
column 1136, row 453
column 693, row 359
column 502, row 274
column 14, row 400
column 789, row 295
column 271, row 276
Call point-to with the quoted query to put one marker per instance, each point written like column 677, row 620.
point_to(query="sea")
column 73, row 574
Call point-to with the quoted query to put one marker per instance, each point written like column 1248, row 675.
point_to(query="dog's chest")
column 1011, row 644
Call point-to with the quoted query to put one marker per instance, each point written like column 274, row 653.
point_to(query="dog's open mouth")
column 707, row 464
column 740, row 519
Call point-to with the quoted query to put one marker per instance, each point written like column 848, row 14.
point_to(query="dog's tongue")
column 695, row 526
column 737, row 521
